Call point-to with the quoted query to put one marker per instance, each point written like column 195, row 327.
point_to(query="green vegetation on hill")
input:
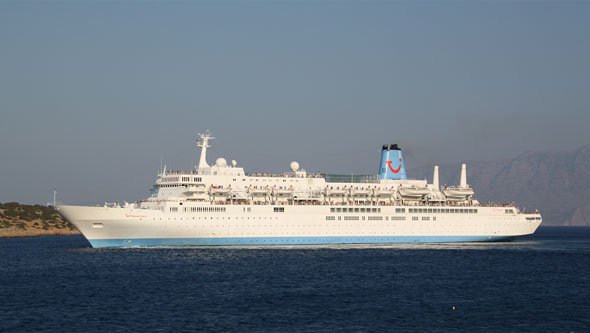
column 31, row 220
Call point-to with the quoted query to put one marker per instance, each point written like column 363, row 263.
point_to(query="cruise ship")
column 222, row 205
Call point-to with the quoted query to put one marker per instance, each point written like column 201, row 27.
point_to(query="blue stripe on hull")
column 133, row 242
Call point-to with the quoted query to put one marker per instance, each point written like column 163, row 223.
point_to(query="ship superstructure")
column 222, row 205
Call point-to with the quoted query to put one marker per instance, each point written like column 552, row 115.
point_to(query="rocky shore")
column 18, row 220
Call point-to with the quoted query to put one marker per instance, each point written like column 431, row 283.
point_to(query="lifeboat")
column 239, row 195
column 458, row 193
column 283, row 191
column 218, row 190
column 191, row 189
column 330, row 191
column 258, row 190
column 414, row 192
column 384, row 192
column 361, row 192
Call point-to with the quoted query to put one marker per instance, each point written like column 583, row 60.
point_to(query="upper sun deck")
column 252, row 174
column 285, row 175
column 330, row 178
column 194, row 176
column 352, row 178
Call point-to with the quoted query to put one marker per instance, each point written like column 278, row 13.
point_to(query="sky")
column 94, row 93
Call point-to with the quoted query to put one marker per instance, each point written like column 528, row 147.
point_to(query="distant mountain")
column 555, row 183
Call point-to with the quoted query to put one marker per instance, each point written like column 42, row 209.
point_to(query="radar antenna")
column 203, row 142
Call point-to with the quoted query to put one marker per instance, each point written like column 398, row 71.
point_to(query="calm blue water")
column 538, row 283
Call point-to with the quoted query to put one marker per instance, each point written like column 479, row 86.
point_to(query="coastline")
column 18, row 220
column 19, row 233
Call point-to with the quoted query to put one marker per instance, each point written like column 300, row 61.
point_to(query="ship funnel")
column 463, row 182
column 392, row 163
column 435, row 178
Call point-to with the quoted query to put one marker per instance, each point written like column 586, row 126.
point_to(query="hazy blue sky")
column 91, row 93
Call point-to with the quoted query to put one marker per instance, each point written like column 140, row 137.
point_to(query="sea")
column 538, row 283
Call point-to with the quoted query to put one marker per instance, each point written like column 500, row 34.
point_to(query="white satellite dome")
column 294, row 166
column 221, row 162
column 234, row 163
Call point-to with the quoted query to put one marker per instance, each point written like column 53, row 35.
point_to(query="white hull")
column 111, row 227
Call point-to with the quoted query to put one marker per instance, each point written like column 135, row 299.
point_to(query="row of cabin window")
column 270, row 180
column 200, row 209
column 424, row 218
column 378, row 218
column 443, row 210
column 276, row 180
column 184, row 179
column 369, row 218
column 355, row 210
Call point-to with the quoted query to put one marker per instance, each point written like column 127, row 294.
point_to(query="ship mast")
column 203, row 142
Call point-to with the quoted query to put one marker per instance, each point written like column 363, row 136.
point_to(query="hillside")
column 18, row 220
column 555, row 183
